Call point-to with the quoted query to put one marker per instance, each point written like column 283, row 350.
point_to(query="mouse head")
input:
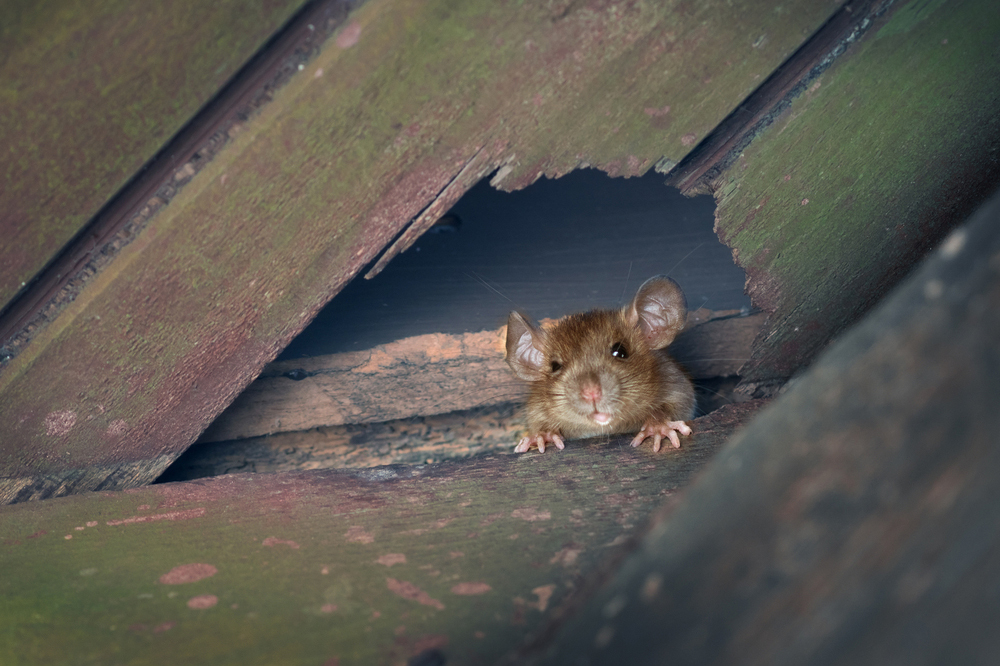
column 650, row 321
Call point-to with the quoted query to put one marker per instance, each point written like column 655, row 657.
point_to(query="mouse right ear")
column 659, row 309
column 524, row 348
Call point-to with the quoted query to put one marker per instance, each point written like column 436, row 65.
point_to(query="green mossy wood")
column 854, row 522
column 409, row 105
column 329, row 567
column 887, row 150
column 91, row 90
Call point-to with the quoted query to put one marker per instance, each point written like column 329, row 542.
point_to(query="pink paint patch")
column 805, row 202
column 328, row 608
column 163, row 626
column 203, row 601
column 116, row 429
column 688, row 139
column 357, row 534
column 349, row 36
column 412, row 592
column 172, row 515
column 91, row 523
column 58, row 424
column 470, row 589
column 390, row 559
column 272, row 541
column 188, row 573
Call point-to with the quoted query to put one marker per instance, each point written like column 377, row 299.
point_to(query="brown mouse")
column 605, row 371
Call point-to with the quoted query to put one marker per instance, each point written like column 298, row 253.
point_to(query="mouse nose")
column 590, row 391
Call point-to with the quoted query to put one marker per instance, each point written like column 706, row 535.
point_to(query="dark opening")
column 554, row 248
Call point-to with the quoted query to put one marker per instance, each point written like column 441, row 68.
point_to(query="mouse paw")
column 659, row 430
column 539, row 440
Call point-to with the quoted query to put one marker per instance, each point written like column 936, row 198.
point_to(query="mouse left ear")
column 524, row 347
column 659, row 309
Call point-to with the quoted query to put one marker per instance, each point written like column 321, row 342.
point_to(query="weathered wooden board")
column 90, row 92
column 433, row 374
column 410, row 104
column 855, row 520
column 415, row 440
column 364, row 567
column 866, row 171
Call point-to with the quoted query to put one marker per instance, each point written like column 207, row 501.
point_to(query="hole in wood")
column 408, row 367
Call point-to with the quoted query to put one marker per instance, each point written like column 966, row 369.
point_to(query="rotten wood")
column 854, row 521
column 836, row 201
column 434, row 374
column 372, row 566
column 372, row 130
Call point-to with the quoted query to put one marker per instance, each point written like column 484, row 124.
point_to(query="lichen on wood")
column 884, row 152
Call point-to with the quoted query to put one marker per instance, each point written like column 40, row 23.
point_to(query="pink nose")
column 591, row 392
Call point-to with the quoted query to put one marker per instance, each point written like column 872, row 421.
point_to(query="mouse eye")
column 618, row 351
column 556, row 366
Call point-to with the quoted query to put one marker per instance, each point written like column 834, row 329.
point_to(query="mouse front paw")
column 659, row 430
column 539, row 440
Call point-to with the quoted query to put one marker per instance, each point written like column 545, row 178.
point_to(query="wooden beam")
column 370, row 566
column 862, row 175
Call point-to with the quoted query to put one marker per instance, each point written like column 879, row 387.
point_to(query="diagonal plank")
column 373, row 130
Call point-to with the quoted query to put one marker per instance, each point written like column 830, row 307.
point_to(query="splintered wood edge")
column 435, row 374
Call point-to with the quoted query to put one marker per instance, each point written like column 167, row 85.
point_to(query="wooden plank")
column 416, row 440
column 433, row 374
column 854, row 521
column 834, row 202
column 364, row 567
column 402, row 101
column 91, row 92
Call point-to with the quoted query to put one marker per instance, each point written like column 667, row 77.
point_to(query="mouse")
column 605, row 372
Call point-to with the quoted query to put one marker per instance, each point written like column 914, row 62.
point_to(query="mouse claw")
column 539, row 440
column 657, row 431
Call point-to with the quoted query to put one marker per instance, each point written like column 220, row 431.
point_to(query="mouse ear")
column 659, row 309
column 524, row 347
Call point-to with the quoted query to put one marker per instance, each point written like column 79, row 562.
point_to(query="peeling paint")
column 202, row 601
column 412, row 592
column 470, row 589
column 188, row 573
